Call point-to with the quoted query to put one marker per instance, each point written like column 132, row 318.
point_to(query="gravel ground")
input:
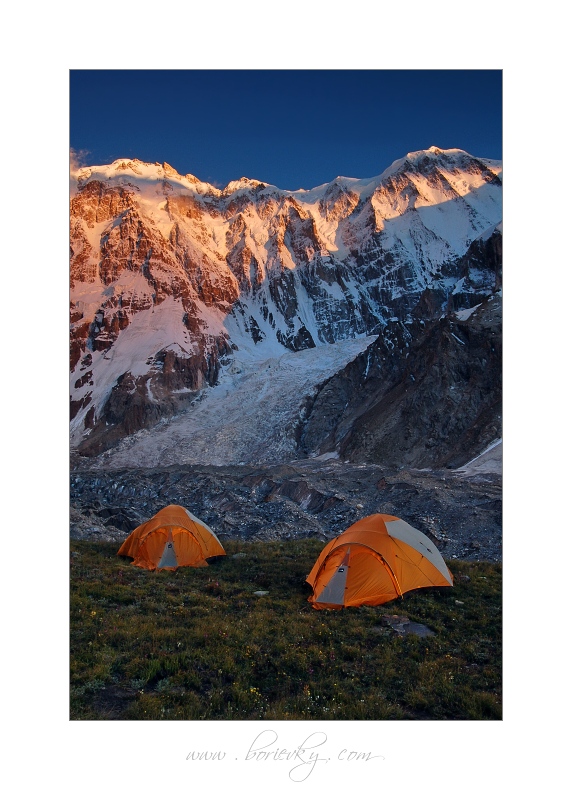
column 460, row 510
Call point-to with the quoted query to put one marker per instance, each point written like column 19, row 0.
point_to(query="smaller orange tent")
column 374, row 561
column 171, row 539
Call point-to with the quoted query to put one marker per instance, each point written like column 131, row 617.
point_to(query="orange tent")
column 172, row 538
column 374, row 561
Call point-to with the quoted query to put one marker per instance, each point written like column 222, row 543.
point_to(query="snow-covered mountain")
column 176, row 286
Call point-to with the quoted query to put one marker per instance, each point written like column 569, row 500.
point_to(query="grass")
column 198, row 644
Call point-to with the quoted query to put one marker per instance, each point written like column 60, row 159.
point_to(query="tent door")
column 335, row 590
column 168, row 558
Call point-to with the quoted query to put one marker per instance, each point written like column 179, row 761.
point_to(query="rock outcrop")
column 424, row 395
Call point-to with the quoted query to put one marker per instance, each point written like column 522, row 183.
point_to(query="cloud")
column 78, row 159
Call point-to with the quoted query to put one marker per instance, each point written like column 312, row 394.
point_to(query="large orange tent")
column 374, row 561
column 172, row 538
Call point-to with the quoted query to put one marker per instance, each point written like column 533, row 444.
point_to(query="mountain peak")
column 434, row 151
column 243, row 183
column 170, row 171
column 192, row 179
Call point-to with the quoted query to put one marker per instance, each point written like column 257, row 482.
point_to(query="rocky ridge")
column 424, row 394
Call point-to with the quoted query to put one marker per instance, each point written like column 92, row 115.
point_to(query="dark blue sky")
column 291, row 129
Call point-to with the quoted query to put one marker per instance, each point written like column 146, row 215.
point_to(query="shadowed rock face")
column 256, row 265
column 427, row 394
column 136, row 403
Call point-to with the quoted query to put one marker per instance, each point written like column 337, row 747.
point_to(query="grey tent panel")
column 335, row 590
column 401, row 530
column 168, row 558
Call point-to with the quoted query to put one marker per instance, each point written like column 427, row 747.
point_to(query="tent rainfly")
column 377, row 559
column 171, row 539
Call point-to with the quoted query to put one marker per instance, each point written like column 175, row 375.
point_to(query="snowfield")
column 489, row 461
column 253, row 412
